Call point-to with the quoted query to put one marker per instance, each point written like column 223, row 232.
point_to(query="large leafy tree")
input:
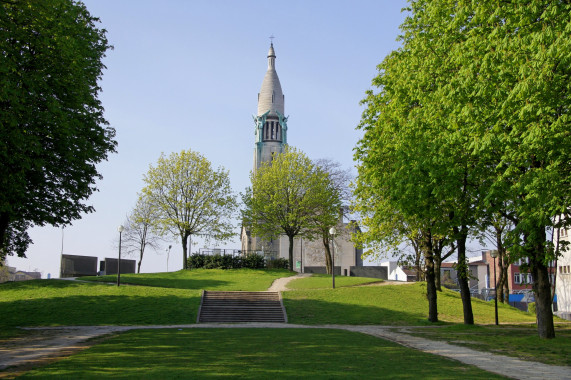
column 290, row 196
column 482, row 88
column 190, row 198
column 53, row 133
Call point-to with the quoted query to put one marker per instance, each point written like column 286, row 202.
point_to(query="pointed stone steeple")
column 271, row 124
column 271, row 96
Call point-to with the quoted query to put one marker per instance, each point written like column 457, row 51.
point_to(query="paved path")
column 55, row 342
column 61, row 341
column 279, row 285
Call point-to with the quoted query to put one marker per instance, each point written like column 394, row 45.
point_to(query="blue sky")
column 186, row 74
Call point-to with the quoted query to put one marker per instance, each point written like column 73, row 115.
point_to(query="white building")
column 396, row 272
column 563, row 280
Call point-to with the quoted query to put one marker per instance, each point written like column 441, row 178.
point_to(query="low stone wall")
column 321, row 270
column 370, row 271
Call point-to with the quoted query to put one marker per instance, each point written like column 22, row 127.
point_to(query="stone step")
column 241, row 307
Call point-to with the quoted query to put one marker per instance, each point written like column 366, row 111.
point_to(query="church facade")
column 271, row 128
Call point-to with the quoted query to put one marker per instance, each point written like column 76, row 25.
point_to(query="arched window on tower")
column 272, row 134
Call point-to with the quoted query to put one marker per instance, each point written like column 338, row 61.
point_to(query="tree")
column 51, row 120
column 289, row 196
column 190, row 197
column 139, row 232
column 476, row 104
column 338, row 180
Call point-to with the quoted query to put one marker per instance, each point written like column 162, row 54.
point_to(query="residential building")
column 396, row 272
column 563, row 280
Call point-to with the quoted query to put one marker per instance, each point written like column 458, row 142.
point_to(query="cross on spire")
column 272, row 39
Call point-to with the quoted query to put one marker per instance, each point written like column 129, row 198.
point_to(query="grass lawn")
column 255, row 354
column 61, row 302
column 324, row 281
column 386, row 305
column 518, row 341
column 209, row 279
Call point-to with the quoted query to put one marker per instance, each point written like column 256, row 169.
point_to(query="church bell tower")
column 270, row 139
column 270, row 122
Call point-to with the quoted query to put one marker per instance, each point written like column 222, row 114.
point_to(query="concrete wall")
column 127, row 266
column 76, row 266
column 321, row 270
column 370, row 271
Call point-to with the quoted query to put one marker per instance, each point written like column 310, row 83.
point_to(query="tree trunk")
column 139, row 263
column 500, row 281
column 463, row 275
column 290, row 252
column 184, row 239
column 430, row 284
column 437, row 265
column 503, row 287
column 4, row 222
column 325, row 238
column 541, row 285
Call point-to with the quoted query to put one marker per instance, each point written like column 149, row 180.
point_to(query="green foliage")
column 280, row 263
column 190, row 197
column 471, row 120
column 531, row 308
column 252, row 261
column 291, row 196
column 51, row 120
column 253, row 354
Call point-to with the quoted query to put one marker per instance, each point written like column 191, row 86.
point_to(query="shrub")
column 280, row 263
column 531, row 307
column 253, row 261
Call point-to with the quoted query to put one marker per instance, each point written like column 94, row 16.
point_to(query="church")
column 271, row 126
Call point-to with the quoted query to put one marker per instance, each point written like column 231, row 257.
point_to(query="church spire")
column 270, row 121
column 271, row 58
column 271, row 97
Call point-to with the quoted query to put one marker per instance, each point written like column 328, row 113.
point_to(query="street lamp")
column 332, row 232
column 494, row 254
column 120, row 229
column 168, row 254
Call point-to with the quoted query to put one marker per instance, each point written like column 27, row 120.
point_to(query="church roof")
column 271, row 96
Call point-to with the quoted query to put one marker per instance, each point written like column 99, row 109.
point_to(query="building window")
column 563, row 232
column 529, row 278
column 517, row 278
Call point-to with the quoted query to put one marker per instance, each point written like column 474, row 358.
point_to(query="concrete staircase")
column 241, row 307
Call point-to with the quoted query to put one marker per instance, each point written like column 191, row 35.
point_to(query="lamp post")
column 332, row 232
column 494, row 254
column 168, row 254
column 120, row 229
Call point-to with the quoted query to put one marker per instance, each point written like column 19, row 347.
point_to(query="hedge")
column 218, row 261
